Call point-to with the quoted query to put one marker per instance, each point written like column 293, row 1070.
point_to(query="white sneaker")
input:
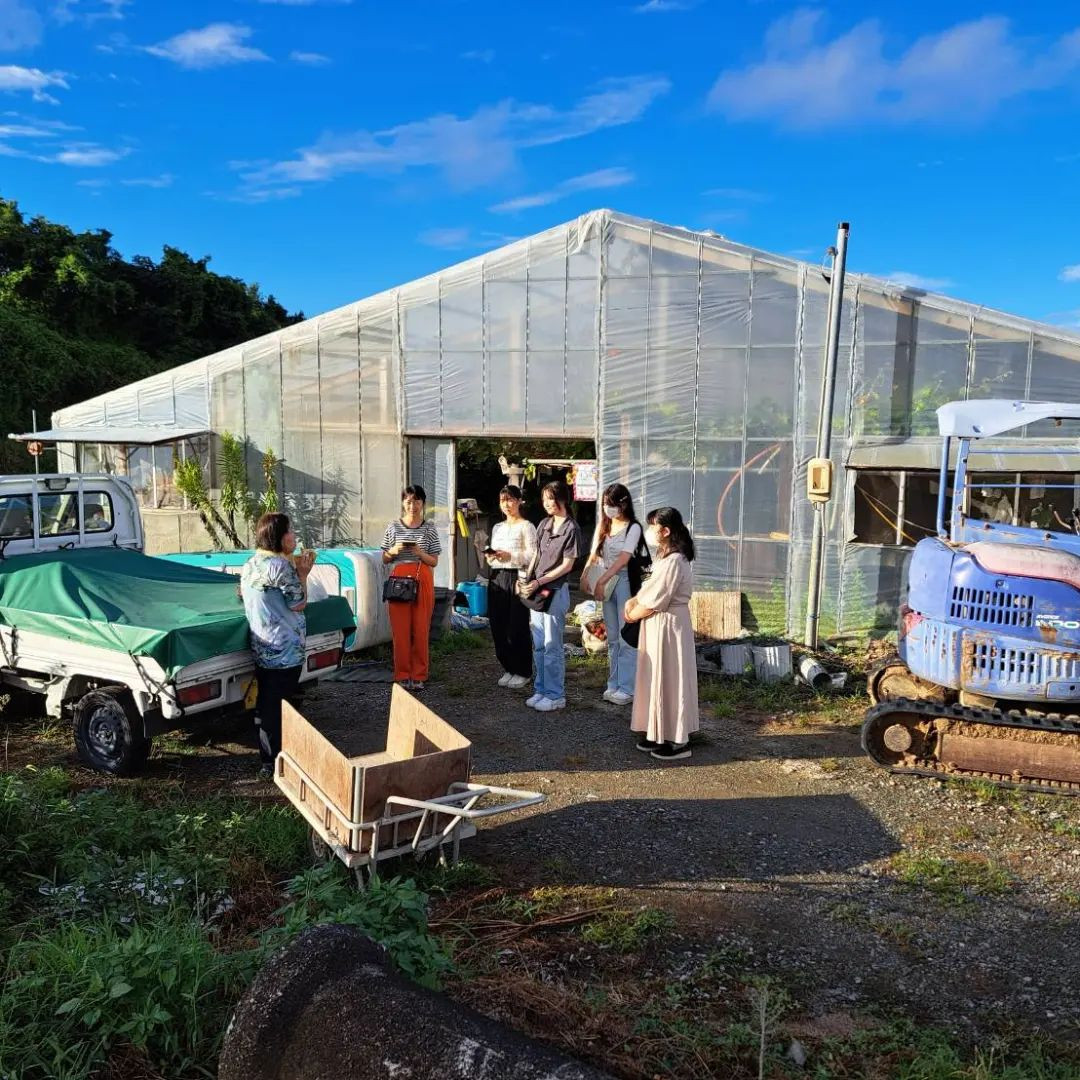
column 505, row 680
column 534, row 700
column 607, row 694
column 619, row 697
column 549, row 705
column 516, row 682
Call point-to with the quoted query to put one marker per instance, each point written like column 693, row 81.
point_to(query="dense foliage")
column 77, row 319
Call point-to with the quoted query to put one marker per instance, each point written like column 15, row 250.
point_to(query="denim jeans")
column 549, row 660
column 622, row 659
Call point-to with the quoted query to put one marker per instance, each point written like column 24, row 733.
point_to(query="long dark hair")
column 558, row 490
column 617, row 495
column 680, row 539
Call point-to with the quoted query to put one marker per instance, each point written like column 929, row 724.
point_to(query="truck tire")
column 109, row 733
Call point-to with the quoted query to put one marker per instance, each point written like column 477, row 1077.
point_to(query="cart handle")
column 530, row 798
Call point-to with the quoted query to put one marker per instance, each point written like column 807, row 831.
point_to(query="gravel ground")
column 777, row 838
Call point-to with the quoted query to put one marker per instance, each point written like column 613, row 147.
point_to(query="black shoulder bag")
column 639, row 566
column 402, row 590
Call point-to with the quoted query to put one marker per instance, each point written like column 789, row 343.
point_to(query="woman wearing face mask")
column 665, row 694
column 618, row 537
column 513, row 548
column 558, row 539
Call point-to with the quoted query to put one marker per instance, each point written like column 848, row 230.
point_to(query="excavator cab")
column 986, row 680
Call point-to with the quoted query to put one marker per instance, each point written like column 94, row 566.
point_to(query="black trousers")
column 275, row 684
column 509, row 619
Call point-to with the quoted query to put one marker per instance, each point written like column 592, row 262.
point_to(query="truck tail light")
column 326, row 658
column 197, row 693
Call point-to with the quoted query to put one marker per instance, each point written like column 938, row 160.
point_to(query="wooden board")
column 716, row 615
column 415, row 729
column 318, row 757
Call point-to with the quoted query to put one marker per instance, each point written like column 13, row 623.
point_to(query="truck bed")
column 129, row 603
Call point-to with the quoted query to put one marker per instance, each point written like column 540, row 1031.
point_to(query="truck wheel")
column 109, row 732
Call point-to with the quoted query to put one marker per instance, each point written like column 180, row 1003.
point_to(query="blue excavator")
column 986, row 680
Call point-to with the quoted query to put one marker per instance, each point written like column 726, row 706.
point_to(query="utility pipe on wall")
column 824, row 431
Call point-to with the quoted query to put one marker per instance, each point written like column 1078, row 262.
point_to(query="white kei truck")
column 125, row 645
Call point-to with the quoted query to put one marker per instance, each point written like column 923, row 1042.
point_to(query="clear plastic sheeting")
column 696, row 363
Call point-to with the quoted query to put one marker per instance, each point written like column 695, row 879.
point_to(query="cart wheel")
column 320, row 850
column 109, row 733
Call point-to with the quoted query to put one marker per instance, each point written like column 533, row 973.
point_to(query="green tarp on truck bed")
column 133, row 603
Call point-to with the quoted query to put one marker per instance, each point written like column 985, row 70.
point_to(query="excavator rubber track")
column 929, row 738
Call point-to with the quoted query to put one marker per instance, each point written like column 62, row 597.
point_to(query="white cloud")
column 65, row 11
column 260, row 195
column 20, row 26
column 463, row 238
column 313, row 58
column 469, row 151
column 34, row 81
column 96, row 182
column 656, row 7
column 964, row 72
column 1070, row 273
column 163, row 181
column 211, row 46
column 907, row 280
column 483, row 56
column 601, row 178
column 87, row 155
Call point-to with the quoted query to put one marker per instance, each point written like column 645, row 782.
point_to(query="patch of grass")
column 626, row 931
column 732, row 697
column 454, row 642
column 953, row 881
column 73, row 991
column 444, row 880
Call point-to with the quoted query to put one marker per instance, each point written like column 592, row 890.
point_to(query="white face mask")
column 652, row 540
column 611, row 512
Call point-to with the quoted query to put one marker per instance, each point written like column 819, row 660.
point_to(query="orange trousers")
column 410, row 624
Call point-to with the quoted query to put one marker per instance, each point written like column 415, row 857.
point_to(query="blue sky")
column 327, row 149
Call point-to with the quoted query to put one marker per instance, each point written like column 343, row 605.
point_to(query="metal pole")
column 824, row 431
column 37, row 457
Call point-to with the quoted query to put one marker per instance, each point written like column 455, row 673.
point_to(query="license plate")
column 251, row 695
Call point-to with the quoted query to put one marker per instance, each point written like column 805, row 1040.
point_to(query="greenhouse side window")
column 894, row 508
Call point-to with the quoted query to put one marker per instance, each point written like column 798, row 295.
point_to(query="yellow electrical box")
column 819, row 479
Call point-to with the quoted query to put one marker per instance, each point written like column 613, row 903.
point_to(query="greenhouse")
column 693, row 363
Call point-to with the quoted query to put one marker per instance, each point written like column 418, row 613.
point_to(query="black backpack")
column 639, row 566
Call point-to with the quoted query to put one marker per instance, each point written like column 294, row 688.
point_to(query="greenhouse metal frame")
column 694, row 362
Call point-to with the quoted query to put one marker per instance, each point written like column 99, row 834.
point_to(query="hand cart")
column 409, row 799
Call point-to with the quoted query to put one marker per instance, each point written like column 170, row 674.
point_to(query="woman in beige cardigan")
column 665, row 692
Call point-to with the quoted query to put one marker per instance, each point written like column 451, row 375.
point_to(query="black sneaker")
column 670, row 751
column 647, row 746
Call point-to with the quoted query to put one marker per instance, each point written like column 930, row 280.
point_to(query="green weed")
column 952, row 880
column 625, row 931
column 390, row 911
column 76, row 991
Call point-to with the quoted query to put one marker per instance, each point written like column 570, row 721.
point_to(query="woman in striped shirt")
column 512, row 551
column 411, row 547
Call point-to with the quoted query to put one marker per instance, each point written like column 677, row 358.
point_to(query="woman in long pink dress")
column 665, row 692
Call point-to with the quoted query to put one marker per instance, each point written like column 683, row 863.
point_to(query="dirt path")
column 777, row 840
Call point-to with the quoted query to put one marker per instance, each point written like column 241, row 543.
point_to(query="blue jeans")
column 549, row 660
column 622, row 659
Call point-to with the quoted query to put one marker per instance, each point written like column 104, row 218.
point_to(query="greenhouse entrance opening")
column 485, row 465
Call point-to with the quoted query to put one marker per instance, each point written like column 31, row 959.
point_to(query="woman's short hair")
column 416, row 491
column 558, row 490
column 270, row 532
column 679, row 539
column 512, row 490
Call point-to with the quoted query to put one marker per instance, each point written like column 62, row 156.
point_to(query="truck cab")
column 53, row 511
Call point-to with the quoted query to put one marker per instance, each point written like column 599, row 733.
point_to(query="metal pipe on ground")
column 330, row 1005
